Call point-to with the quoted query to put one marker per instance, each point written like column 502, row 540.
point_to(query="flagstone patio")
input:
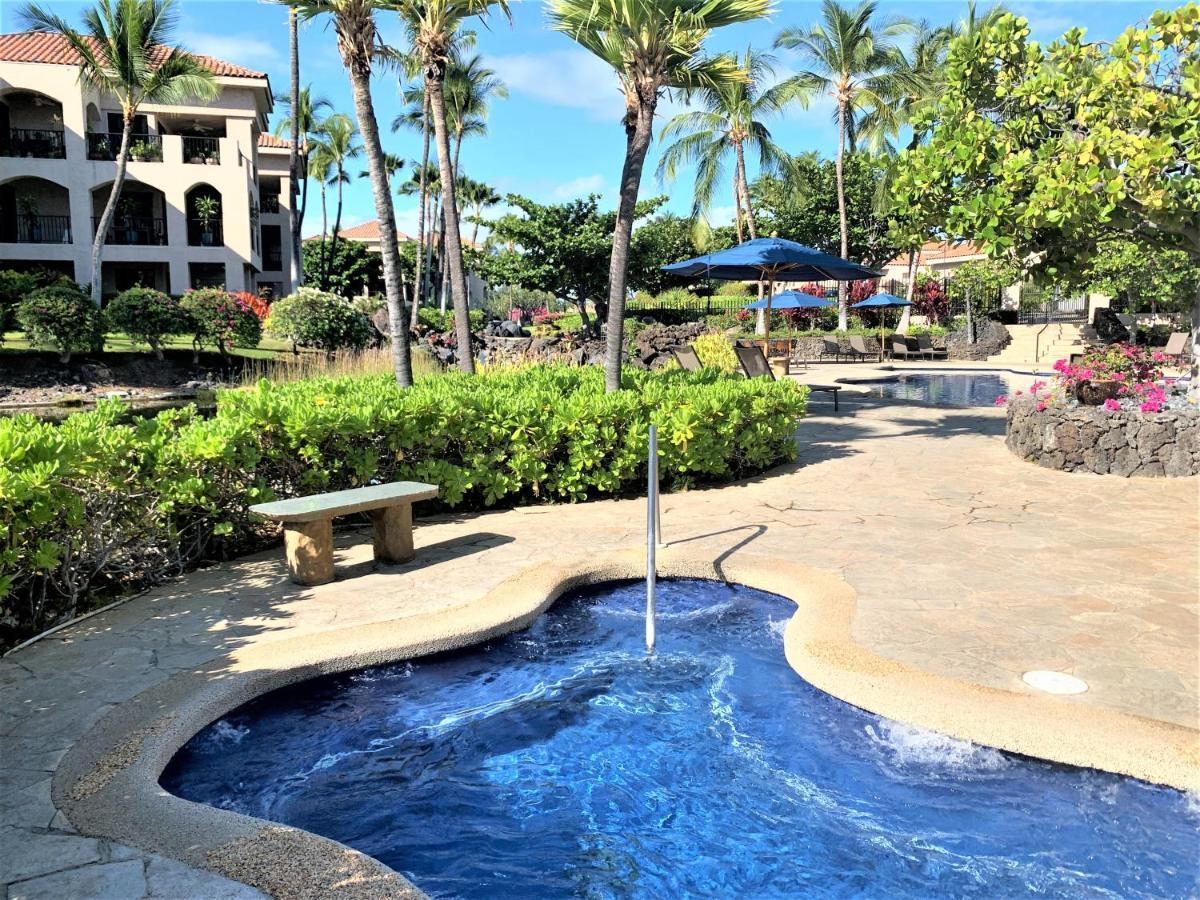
column 967, row 563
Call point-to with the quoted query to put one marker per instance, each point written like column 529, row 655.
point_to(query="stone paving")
column 967, row 562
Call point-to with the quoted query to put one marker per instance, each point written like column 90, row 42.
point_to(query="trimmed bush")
column 14, row 287
column 716, row 352
column 63, row 317
column 147, row 316
column 95, row 505
column 221, row 319
column 313, row 318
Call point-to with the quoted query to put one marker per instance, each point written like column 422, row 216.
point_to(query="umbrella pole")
column 767, row 342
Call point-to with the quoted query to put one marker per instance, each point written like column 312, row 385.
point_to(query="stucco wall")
column 1092, row 439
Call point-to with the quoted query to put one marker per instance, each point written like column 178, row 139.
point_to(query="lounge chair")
column 688, row 359
column 830, row 347
column 1176, row 345
column 899, row 349
column 925, row 346
column 754, row 364
column 859, row 347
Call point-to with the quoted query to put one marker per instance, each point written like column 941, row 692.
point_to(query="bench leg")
column 393, row 534
column 309, row 549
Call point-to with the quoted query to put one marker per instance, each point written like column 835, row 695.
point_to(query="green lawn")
column 268, row 348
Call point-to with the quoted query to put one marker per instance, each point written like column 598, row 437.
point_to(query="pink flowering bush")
column 222, row 319
column 1136, row 371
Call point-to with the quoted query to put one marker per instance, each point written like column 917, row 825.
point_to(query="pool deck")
column 948, row 561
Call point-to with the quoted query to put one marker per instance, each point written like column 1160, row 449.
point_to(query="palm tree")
column 431, row 26
column 340, row 146
column 470, row 85
column 856, row 64
column 479, row 196
column 425, row 184
column 124, row 50
column 320, row 167
column 302, row 121
column 358, row 41
column 729, row 122
column 653, row 45
column 294, row 151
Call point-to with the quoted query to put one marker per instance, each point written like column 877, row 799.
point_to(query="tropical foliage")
column 62, row 317
column 147, row 316
column 313, row 318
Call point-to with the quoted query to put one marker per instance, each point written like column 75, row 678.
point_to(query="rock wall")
column 990, row 338
column 513, row 350
column 1092, row 439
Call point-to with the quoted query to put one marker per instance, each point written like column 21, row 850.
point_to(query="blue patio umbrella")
column 771, row 259
column 791, row 300
column 882, row 300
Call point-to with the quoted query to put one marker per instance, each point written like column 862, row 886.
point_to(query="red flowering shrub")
column 254, row 303
column 862, row 290
column 222, row 319
column 930, row 298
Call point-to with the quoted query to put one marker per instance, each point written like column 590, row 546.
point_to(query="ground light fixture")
column 1054, row 682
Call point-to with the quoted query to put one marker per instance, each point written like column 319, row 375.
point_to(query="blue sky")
column 558, row 135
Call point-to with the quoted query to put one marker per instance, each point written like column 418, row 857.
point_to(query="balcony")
column 33, row 142
column 268, row 203
column 201, row 150
column 142, row 147
column 273, row 260
column 135, row 231
column 201, row 235
column 27, row 229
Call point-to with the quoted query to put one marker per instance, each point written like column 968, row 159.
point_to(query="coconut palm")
column 300, row 127
column 654, row 46
column 479, row 196
column 124, row 50
column 431, row 26
column 294, row 150
column 730, row 122
column 320, row 167
column 338, row 145
column 358, row 43
column 470, row 86
column 851, row 58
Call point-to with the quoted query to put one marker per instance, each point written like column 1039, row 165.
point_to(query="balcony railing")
column 37, row 230
column 142, row 147
column 135, row 230
column 201, row 150
column 200, row 235
column 33, row 142
column 273, row 259
column 268, row 203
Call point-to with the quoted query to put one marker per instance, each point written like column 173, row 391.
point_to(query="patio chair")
column 858, row 347
column 925, row 345
column 754, row 364
column 830, row 347
column 899, row 349
column 1176, row 345
column 688, row 359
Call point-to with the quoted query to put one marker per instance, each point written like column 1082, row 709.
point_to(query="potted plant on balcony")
column 127, row 209
column 208, row 210
column 29, row 209
column 100, row 148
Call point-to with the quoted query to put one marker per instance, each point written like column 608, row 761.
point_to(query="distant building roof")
column 275, row 143
column 941, row 251
column 54, row 49
column 369, row 231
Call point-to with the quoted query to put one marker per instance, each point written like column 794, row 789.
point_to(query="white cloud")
column 254, row 53
column 579, row 187
column 720, row 215
column 572, row 78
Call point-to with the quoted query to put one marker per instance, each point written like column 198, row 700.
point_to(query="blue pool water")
column 563, row 761
column 945, row 388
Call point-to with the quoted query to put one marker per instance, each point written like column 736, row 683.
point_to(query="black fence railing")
column 135, row 230
column 205, row 235
column 37, row 143
column 273, row 260
column 142, row 147
column 26, row 229
column 200, row 150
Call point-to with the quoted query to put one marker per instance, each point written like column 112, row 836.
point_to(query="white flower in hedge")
column 319, row 319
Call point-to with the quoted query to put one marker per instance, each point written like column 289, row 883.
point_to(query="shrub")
column 62, row 316
column 444, row 321
column 98, row 505
column 147, row 316
column 313, row 318
column 675, row 297
column 221, row 319
column 255, row 303
column 14, row 287
column 716, row 352
column 734, row 289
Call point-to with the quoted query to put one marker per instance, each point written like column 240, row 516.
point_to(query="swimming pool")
column 562, row 760
column 947, row 388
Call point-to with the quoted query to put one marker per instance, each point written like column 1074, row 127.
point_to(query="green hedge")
column 101, row 504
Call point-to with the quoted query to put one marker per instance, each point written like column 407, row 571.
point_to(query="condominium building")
column 206, row 201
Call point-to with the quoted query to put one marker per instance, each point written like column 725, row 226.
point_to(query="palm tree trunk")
column 337, row 223
column 452, row 243
column 359, row 68
column 294, row 152
column 418, row 283
column 324, row 234
column 914, row 258
column 110, row 207
column 475, row 226
column 745, row 190
column 447, row 293
column 737, row 210
column 639, row 131
column 429, row 242
column 843, row 311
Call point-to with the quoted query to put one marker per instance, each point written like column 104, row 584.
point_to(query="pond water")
column 565, row 761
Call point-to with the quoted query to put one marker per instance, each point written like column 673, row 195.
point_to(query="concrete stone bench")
column 308, row 525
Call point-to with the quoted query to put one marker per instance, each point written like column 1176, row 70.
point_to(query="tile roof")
column 369, row 231
column 269, row 140
column 53, row 49
column 941, row 251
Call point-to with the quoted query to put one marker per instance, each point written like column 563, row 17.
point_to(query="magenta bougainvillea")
column 1137, row 372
